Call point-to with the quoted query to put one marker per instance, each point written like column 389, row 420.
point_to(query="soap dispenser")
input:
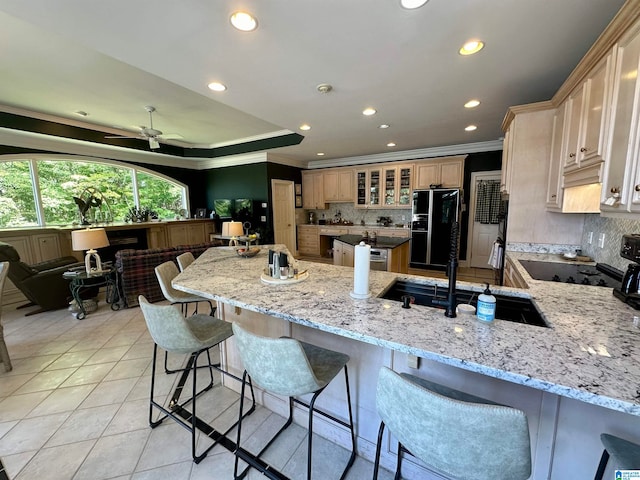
column 486, row 306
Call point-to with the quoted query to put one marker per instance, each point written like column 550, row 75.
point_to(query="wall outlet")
column 413, row 361
column 590, row 238
column 403, row 218
column 601, row 240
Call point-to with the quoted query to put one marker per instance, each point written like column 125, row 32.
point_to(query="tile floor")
column 75, row 407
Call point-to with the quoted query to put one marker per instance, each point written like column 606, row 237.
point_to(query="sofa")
column 136, row 270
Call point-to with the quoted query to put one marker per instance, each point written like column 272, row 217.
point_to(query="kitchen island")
column 396, row 250
column 585, row 365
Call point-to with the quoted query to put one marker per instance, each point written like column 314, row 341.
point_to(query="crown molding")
column 405, row 155
column 527, row 108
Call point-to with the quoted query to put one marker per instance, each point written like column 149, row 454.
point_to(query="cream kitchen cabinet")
column 587, row 120
column 554, row 179
column 308, row 240
column 446, row 173
column 313, row 191
column 512, row 277
column 187, row 233
column 343, row 254
column 368, row 188
column 396, row 186
column 621, row 182
column 507, row 162
column 46, row 246
column 338, row 185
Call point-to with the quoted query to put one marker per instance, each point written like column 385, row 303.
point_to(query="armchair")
column 42, row 283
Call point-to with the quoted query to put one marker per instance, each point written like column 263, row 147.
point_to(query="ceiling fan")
column 149, row 133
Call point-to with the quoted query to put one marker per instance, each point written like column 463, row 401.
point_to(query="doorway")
column 284, row 229
column 483, row 222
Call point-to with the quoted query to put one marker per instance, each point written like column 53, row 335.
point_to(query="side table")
column 81, row 280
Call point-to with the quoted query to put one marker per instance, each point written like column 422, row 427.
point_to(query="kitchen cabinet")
column 23, row 246
column 46, row 246
column 343, row 254
column 157, row 237
column 368, row 188
column 397, row 186
column 588, row 109
column 186, row 233
column 313, row 191
column 308, row 240
column 446, row 173
column 621, row 178
column 338, row 185
column 554, row 179
column 507, row 161
column 512, row 277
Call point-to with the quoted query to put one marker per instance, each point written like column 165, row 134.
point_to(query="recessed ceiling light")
column 369, row 111
column 244, row 21
column 470, row 128
column 391, row 144
column 217, row 87
column 411, row 4
column 472, row 104
column 320, row 154
column 305, row 127
column 471, row 47
column 384, row 125
column 81, row 113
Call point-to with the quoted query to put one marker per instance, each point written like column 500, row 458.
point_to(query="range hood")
column 582, row 199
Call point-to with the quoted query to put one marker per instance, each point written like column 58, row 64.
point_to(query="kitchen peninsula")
column 395, row 249
column 585, row 366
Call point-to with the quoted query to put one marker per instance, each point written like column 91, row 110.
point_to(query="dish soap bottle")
column 486, row 306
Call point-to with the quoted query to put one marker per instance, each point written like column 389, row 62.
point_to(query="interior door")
column 482, row 235
column 284, row 223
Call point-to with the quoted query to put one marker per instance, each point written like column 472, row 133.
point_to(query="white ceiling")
column 111, row 58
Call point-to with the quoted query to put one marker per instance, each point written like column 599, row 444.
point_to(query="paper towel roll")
column 361, row 259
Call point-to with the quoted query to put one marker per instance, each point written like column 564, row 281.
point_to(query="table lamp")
column 89, row 239
column 233, row 230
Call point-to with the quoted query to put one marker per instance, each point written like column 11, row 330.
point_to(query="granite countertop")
column 381, row 242
column 591, row 353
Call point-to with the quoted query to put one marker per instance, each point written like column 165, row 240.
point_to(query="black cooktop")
column 599, row 275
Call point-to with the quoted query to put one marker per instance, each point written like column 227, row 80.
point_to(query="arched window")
column 39, row 191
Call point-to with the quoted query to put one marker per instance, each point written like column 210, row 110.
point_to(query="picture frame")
column 298, row 188
column 298, row 200
column 201, row 212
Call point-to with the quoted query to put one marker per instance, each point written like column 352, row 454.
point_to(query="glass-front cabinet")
column 397, row 186
column 390, row 191
column 369, row 188
column 404, row 190
column 374, row 188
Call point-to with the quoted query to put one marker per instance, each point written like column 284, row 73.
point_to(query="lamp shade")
column 89, row 239
column 232, row 229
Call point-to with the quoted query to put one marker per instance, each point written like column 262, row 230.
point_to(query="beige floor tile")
column 105, row 355
column 32, row 364
column 139, row 350
column 122, row 339
column 100, row 463
column 71, row 359
column 84, row 424
column 17, row 407
column 62, row 400
column 107, row 393
column 177, row 471
column 6, row 426
column 14, row 463
column 10, row 383
column 56, row 463
column 131, row 416
column 88, row 344
column 46, row 381
column 57, row 347
column 128, row 369
column 88, row 374
column 168, row 443
column 31, row 434
column 221, row 463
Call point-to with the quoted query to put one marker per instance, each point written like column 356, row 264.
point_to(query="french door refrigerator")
column 433, row 213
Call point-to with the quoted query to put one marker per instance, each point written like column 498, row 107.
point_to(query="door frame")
column 291, row 206
column 475, row 177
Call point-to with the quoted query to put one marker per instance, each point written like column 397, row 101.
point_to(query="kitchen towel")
column 495, row 257
column 361, row 271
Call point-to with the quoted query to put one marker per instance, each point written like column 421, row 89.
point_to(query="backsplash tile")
column 357, row 215
column 613, row 228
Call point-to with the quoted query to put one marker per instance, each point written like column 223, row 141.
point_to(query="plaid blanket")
column 136, row 270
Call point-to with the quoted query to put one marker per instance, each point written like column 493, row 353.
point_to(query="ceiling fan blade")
column 171, row 136
column 120, row 136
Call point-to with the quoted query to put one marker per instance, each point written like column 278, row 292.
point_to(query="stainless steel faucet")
column 452, row 268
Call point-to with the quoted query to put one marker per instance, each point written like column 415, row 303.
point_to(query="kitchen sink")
column 512, row 309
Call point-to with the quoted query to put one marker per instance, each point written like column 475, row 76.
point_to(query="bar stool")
column 4, row 353
column 625, row 454
column 288, row 367
column 193, row 335
column 455, row 434
column 165, row 273
column 184, row 260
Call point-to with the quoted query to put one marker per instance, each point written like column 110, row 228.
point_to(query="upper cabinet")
column 448, row 173
column 507, row 152
column 397, row 186
column 587, row 110
column 554, row 179
column 338, row 185
column 313, row 190
column 621, row 182
column 369, row 187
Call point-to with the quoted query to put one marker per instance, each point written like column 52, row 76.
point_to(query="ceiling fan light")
column 153, row 144
column 471, row 47
column 244, row 21
column 412, row 4
column 217, row 87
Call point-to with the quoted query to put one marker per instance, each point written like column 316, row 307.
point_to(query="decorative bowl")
column 247, row 252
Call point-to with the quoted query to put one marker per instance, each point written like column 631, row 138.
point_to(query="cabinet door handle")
column 637, row 188
column 553, row 196
column 571, row 155
column 584, row 149
column 615, row 189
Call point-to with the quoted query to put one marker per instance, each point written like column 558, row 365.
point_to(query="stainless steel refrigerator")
column 433, row 212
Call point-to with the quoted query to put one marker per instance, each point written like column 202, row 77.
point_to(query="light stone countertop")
column 591, row 353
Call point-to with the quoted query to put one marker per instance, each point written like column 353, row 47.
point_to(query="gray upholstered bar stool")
column 288, row 367
column 4, row 353
column 458, row 435
column 184, row 260
column 165, row 273
column 624, row 454
column 193, row 335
